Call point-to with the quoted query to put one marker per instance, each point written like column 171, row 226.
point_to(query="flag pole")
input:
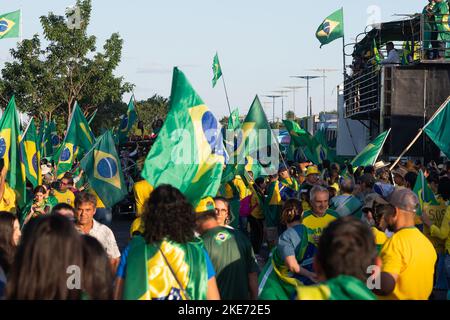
column 226, row 93
column 343, row 48
column 419, row 133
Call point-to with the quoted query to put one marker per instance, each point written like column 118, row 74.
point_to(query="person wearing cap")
column 399, row 176
column 312, row 179
column 320, row 216
column 408, row 257
column 231, row 254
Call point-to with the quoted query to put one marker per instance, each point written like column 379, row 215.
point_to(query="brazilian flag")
column 371, row 152
column 322, row 149
column 127, row 121
column 234, row 122
column 217, row 70
column 188, row 153
column 103, row 171
column 10, row 25
column 32, row 155
column 42, row 135
column 11, row 151
column 149, row 277
column 309, row 145
column 424, row 193
column 79, row 136
column 438, row 128
column 331, row 28
column 339, row 288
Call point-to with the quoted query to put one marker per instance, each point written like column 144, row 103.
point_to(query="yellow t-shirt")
column 257, row 211
column 443, row 232
column 315, row 225
column 411, row 256
column 142, row 191
column 65, row 197
column 380, row 238
column 10, row 196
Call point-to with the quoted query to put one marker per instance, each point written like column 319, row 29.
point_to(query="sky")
column 260, row 43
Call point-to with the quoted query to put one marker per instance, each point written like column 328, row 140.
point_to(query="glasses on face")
column 221, row 211
column 64, row 183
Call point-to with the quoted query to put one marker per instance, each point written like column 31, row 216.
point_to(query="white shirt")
column 393, row 58
column 105, row 236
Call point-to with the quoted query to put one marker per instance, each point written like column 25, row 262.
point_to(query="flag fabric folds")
column 217, row 70
column 371, row 152
column 11, row 151
column 188, row 153
column 10, row 25
column 127, row 121
column 104, row 172
column 331, row 28
column 424, row 193
column 438, row 129
column 79, row 136
column 233, row 121
column 31, row 159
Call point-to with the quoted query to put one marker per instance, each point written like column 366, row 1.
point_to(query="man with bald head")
column 408, row 256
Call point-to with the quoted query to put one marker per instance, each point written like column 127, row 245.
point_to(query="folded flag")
column 331, row 28
column 32, row 156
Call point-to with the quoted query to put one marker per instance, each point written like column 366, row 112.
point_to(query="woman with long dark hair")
column 98, row 278
column 180, row 266
column 48, row 261
column 9, row 239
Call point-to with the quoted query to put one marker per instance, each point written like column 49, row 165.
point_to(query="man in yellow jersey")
column 320, row 216
column 63, row 194
column 408, row 256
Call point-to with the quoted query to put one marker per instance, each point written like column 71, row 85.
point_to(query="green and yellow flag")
column 438, row 128
column 79, row 136
column 52, row 140
column 10, row 25
column 42, row 137
column 11, row 151
column 187, row 272
column 104, row 172
column 371, row 152
column 217, row 70
column 233, row 121
column 339, row 288
column 127, row 121
column 376, row 53
column 332, row 28
column 188, row 153
column 32, row 156
column 424, row 193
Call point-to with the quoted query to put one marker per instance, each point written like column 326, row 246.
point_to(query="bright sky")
column 261, row 43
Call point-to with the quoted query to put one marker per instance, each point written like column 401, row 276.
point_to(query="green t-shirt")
column 233, row 259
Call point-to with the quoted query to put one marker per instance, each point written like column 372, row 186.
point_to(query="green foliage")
column 150, row 110
column 47, row 81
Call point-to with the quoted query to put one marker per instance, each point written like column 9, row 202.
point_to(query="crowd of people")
column 306, row 232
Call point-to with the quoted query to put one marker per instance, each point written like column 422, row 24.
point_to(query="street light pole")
column 282, row 92
column 273, row 97
column 307, row 78
column 324, row 71
column 294, row 88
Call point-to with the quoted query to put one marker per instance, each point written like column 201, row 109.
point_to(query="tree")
column 150, row 110
column 47, row 81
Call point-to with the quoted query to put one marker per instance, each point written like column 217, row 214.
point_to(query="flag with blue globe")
column 103, row 171
column 10, row 25
column 331, row 28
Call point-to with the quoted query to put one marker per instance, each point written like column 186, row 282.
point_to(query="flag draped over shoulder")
column 371, row 152
column 438, row 129
column 78, row 136
column 11, row 151
column 331, row 28
column 424, row 193
column 127, row 121
column 217, row 70
column 10, row 25
column 32, row 157
column 188, row 153
column 104, row 172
